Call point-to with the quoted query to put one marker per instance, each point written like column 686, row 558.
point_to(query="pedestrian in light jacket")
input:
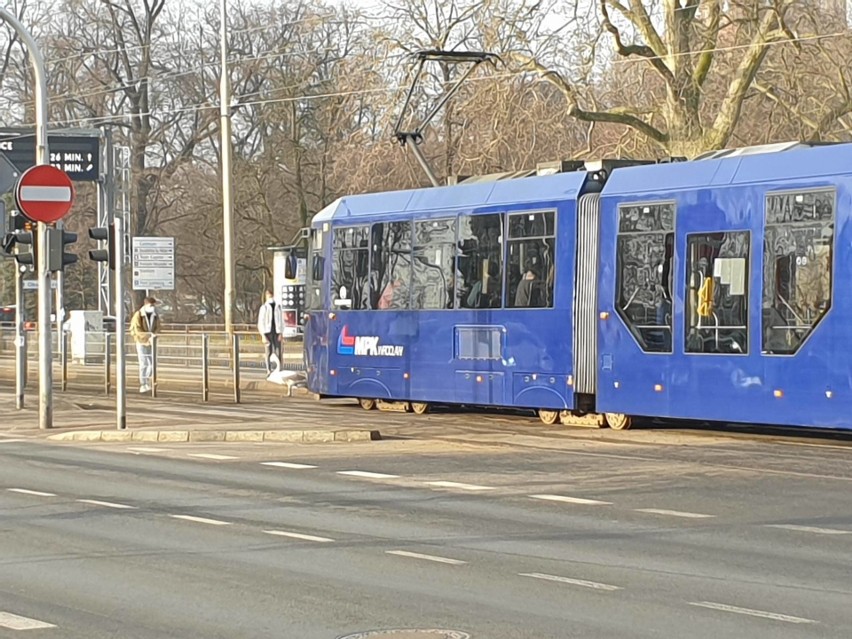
column 144, row 324
column 270, row 325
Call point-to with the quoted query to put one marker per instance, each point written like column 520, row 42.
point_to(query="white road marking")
column 572, row 500
column 567, row 580
column 747, row 611
column 11, row 441
column 283, row 533
column 107, row 504
column 673, row 513
column 16, row 622
column 146, row 449
column 211, row 456
column 24, row 491
column 365, row 474
column 287, row 465
column 811, row 529
column 454, row 484
column 417, row 555
column 202, row 520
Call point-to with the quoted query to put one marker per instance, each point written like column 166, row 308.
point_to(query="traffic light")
column 104, row 234
column 57, row 258
column 16, row 224
column 26, row 237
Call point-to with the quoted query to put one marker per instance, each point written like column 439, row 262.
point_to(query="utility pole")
column 45, row 353
column 227, row 195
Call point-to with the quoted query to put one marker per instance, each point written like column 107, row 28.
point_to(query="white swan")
column 279, row 376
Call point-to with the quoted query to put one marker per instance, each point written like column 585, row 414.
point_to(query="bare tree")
column 680, row 44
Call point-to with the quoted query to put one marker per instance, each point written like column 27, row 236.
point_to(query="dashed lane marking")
column 417, row 555
column 106, row 504
column 11, row 441
column 460, row 486
column 24, row 491
column 366, row 474
column 16, row 622
column 568, row 580
column 146, row 449
column 810, row 529
column 211, row 456
column 673, row 513
column 753, row 613
column 572, row 500
column 284, row 533
column 202, row 520
column 287, row 465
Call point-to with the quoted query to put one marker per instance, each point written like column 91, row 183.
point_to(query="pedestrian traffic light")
column 57, row 258
column 104, row 234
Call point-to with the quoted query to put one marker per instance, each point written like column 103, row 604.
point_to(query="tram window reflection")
column 798, row 267
column 530, row 260
column 350, row 267
column 479, row 269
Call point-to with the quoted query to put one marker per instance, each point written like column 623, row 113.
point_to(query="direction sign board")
column 153, row 263
column 32, row 285
column 77, row 155
column 44, row 194
column 9, row 175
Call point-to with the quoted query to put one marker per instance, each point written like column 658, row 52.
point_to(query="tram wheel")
column 366, row 404
column 549, row 417
column 618, row 421
column 420, row 408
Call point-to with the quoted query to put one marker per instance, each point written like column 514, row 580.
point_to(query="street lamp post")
column 45, row 352
column 227, row 195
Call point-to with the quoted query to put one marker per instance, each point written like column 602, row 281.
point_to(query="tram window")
column 390, row 275
column 645, row 250
column 432, row 278
column 350, row 267
column 530, row 261
column 316, row 272
column 479, row 269
column 717, row 292
column 798, row 262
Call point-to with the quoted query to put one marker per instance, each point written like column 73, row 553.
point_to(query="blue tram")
column 702, row 290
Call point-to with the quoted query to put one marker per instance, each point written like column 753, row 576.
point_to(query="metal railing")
column 199, row 364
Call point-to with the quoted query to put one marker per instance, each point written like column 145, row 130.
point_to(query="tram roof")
column 457, row 198
column 777, row 162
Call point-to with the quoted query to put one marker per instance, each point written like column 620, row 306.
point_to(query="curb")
column 176, row 436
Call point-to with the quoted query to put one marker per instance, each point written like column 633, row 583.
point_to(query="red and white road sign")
column 44, row 193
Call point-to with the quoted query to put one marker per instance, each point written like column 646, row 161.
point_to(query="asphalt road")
column 710, row 538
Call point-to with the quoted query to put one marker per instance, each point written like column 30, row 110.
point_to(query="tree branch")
column 615, row 116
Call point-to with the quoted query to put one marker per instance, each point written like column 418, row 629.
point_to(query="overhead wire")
column 276, row 53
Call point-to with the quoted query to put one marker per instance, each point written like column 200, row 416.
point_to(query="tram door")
column 316, row 327
column 586, row 298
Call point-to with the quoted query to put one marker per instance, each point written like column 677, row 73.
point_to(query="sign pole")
column 20, row 339
column 120, row 370
column 45, row 355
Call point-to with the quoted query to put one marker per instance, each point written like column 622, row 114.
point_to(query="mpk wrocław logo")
column 366, row 345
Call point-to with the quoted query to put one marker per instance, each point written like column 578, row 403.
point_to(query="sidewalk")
column 90, row 418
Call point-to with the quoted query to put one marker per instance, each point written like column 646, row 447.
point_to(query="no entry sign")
column 44, row 194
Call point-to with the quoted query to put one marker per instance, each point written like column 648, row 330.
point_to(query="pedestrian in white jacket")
column 270, row 325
